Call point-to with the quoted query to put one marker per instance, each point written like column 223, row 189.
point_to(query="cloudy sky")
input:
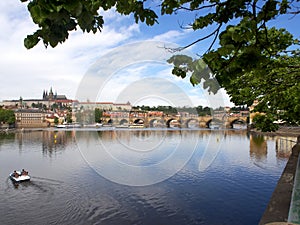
column 27, row 73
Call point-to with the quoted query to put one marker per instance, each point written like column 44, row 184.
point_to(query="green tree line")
column 7, row 116
column 199, row 110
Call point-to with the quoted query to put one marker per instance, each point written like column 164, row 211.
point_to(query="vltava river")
column 139, row 176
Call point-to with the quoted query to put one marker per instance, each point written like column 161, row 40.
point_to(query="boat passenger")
column 24, row 172
column 15, row 174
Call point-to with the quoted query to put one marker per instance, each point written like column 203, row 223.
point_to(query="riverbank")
column 282, row 131
column 278, row 208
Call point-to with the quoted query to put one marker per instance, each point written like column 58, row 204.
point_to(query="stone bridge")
column 224, row 121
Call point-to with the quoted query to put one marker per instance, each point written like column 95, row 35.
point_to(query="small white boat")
column 73, row 125
column 17, row 176
column 136, row 126
column 122, row 126
column 95, row 125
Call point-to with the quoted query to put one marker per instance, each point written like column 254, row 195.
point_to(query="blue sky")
column 27, row 73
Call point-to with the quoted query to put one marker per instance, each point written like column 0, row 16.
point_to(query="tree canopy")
column 200, row 110
column 7, row 116
column 251, row 60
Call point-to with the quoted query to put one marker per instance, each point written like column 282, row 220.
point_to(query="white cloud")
column 168, row 36
column 27, row 73
column 31, row 71
column 152, row 84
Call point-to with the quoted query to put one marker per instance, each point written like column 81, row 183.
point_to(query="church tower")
column 51, row 94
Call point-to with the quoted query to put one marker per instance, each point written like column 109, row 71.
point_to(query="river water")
column 139, row 176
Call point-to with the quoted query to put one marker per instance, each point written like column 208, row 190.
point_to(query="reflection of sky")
column 150, row 155
column 153, row 148
column 232, row 188
column 140, row 163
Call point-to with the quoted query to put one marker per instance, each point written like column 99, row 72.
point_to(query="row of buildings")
column 54, row 109
column 43, row 112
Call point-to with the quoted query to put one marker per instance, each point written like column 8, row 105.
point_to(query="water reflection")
column 53, row 141
column 258, row 147
column 65, row 189
column 6, row 138
column 137, row 157
column 260, row 144
column 284, row 146
column 158, row 154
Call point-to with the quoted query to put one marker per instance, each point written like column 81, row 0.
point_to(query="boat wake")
column 47, row 179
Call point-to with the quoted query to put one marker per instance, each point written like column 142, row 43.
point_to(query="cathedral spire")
column 51, row 94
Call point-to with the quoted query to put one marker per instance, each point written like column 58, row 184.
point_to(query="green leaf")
column 179, row 72
column 74, row 7
column 36, row 13
column 31, row 40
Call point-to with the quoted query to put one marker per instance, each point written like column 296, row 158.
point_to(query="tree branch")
column 214, row 41
column 216, row 31
column 297, row 8
column 196, row 9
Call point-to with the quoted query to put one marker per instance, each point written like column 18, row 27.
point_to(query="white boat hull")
column 20, row 178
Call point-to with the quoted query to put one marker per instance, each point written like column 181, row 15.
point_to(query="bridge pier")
column 183, row 122
column 228, row 125
column 203, row 124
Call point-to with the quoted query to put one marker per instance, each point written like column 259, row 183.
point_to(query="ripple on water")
column 233, row 190
column 30, row 199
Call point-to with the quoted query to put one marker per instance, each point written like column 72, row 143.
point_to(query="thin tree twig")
column 197, row 9
column 172, row 50
column 214, row 41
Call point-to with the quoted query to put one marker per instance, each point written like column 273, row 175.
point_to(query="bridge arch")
column 139, row 121
column 208, row 123
column 108, row 121
column 156, row 123
column 238, row 121
column 191, row 123
column 176, row 121
column 172, row 122
column 214, row 123
column 123, row 121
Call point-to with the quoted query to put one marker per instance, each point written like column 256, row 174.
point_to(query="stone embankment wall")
column 277, row 210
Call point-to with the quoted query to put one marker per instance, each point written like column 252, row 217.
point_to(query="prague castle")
column 32, row 113
column 47, row 100
column 51, row 96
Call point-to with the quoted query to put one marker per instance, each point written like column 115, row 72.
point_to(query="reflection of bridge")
column 177, row 121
